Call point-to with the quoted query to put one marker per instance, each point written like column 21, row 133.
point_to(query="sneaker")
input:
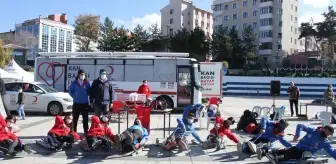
column 239, row 147
column 259, row 153
column 252, row 146
column 27, row 149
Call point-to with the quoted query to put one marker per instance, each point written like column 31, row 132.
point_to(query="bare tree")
column 25, row 39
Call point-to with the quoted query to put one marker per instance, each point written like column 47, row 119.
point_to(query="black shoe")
column 27, row 149
column 68, row 146
column 96, row 144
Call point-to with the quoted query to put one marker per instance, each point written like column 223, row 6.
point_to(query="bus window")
column 184, row 91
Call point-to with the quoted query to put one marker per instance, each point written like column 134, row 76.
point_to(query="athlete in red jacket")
column 99, row 133
column 220, row 130
column 68, row 122
column 144, row 89
column 60, row 134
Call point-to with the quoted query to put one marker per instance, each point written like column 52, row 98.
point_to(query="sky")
column 123, row 12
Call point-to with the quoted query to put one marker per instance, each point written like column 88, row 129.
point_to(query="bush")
column 28, row 68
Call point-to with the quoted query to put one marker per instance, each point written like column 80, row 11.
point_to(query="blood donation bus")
column 171, row 76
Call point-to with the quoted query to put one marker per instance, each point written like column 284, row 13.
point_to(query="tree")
column 221, row 46
column 141, row 37
column 27, row 40
column 238, row 59
column 156, row 41
column 199, row 45
column 307, row 32
column 249, row 39
column 86, row 31
column 107, row 34
column 179, row 42
column 123, row 41
column 5, row 54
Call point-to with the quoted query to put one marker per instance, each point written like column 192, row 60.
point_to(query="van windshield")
column 47, row 88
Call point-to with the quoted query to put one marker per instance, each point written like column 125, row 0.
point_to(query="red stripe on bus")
column 154, row 92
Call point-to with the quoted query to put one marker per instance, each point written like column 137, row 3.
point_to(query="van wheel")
column 55, row 108
column 168, row 101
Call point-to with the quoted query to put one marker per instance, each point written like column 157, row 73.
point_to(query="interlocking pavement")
column 36, row 127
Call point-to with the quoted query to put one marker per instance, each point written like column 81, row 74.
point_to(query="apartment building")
column 275, row 23
column 54, row 34
column 180, row 14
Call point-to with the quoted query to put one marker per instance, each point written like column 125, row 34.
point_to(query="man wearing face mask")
column 270, row 132
column 195, row 110
column 314, row 140
column 101, row 95
column 79, row 91
column 133, row 138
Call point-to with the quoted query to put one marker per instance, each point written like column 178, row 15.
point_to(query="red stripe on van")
column 153, row 92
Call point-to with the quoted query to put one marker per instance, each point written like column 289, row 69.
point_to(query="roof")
column 14, row 46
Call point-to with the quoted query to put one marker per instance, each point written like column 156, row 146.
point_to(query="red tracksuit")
column 99, row 129
column 144, row 89
column 5, row 132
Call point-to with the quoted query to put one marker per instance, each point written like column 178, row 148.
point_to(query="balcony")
column 265, row 4
column 268, row 39
column 265, row 52
column 264, row 28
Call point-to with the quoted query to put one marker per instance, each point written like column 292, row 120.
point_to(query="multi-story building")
column 275, row 23
column 180, row 14
column 53, row 34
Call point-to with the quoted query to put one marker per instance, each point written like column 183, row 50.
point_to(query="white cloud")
column 307, row 16
column 146, row 21
column 316, row 3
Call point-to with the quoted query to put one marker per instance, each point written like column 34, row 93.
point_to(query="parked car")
column 39, row 97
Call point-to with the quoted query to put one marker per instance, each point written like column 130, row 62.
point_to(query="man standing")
column 79, row 90
column 101, row 95
column 3, row 92
column 329, row 97
column 144, row 89
column 294, row 94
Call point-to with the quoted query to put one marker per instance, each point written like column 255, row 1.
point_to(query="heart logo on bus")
column 47, row 73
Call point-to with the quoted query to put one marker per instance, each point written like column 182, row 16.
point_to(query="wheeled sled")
column 43, row 142
column 86, row 147
column 214, row 142
column 307, row 158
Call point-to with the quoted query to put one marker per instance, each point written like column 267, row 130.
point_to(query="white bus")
column 171, row 76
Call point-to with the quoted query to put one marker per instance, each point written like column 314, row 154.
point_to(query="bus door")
column 185, row 91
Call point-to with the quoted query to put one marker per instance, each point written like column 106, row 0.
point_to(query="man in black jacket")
column 3, row 92
column 101, row 94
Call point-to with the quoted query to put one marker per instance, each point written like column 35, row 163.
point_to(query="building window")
column 53, row 39
column 234, row 5
column 226, row 18
column 235, row 26
column 255, row 13
column 266, row 46
column 266, row 34
column 171, row 21
column 296, row 19
column 295, row 8
column 36, row 30
column 245, row 3
column 217, row 7
column 245, row 25
column 61, row 40
column 291, row 40
column 245, row 14
column 254, row 2
column 291, row 28
column 171, row 11
column 280, row 11
column 266, row 10
column 292, row 6
column 295, row 30
column 280, row 35
column 234, row 16
column 171, row 32
column 45, row 38
column 266, row 22
column 68, row 41
column 291, row 17
column 294, row 41
column 280, row 23
column 254, row 24
column 226, row 7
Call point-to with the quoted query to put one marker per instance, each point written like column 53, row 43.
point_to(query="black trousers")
column 61, row 139
column 294, row 102
column 80, row 109
column 259, row 140
column 288, row 154
column 8, row 144
column 3, row 102
column 91, row 140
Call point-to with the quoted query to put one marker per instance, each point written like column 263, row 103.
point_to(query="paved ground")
column 36, row 127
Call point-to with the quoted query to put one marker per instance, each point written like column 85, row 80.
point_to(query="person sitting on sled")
column 248, row 122
column 133, row 138
column 270, row 131
column 60, row 136
column 314, row 140
column 68, row 122
column 9, row 142
column 177, row 138
column 99, row 134
column 221, row 129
